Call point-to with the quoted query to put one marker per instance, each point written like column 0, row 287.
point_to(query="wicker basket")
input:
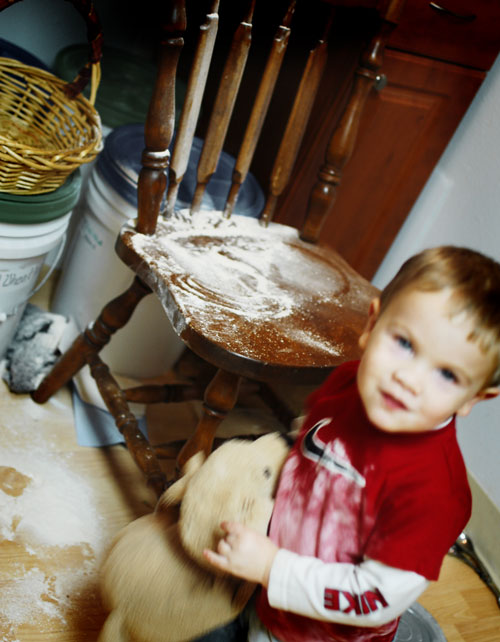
column 47, row 129
column 44, row 134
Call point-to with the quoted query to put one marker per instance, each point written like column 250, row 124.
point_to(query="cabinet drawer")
column 466, row 32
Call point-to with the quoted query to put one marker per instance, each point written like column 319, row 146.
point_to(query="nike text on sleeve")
column 367, row 594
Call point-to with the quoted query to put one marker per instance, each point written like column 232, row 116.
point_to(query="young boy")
column 374, row 491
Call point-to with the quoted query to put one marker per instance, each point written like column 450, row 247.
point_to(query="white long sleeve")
column 367, row 594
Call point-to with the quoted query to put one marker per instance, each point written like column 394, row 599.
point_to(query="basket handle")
column 91, row 71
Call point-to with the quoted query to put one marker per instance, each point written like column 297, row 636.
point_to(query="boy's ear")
column 482, row 395
column 373, row 314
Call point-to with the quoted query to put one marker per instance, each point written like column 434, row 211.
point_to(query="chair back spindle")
column 260, row 108
column 159, row 126
column 192, row 104
column 296, row 125
column 223, row 107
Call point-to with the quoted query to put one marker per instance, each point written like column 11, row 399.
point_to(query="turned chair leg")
column 220, row 397
column 126, row 422
column 113, row 317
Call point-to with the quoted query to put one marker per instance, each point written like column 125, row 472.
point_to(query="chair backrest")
column 159, row 127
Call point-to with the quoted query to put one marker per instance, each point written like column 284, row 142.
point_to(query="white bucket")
column 23, row 250
column 92, row 275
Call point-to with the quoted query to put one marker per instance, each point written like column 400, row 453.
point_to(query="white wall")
column 460, row 205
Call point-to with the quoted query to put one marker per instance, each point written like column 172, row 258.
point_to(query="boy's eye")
column 448, row 375
column 403, row 343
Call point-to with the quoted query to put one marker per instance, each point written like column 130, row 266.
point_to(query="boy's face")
column 418, row 368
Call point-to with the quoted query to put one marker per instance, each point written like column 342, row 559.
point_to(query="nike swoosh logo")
column 315, row 450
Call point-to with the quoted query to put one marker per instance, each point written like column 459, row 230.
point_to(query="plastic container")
column 119, row 165
column 31, row 228
column 126, row 84
column 92, row 274
column 10, row 50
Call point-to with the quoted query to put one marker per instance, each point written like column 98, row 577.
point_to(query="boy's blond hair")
column 474, row 280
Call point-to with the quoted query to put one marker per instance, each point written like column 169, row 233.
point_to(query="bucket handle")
column 5, row 315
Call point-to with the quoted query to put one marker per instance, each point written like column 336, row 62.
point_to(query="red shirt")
column 350, row 491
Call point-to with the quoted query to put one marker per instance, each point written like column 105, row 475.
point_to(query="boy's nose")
column 408, row 378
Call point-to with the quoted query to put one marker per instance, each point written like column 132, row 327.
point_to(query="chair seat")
column 256, row 300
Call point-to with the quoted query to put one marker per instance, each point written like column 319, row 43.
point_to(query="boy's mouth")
column 392, row 402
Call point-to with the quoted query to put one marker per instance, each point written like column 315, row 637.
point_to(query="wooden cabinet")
column 459, row 31
column 435, row 63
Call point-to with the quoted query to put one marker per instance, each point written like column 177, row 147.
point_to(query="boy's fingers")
column 231, row 527
column 214, row 558
column 223, row 547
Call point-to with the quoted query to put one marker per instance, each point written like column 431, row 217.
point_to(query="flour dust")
column 49, row 520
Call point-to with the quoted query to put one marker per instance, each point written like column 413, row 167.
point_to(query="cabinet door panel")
column 404, row 131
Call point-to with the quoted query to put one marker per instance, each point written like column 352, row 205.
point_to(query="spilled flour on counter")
column 48, row 511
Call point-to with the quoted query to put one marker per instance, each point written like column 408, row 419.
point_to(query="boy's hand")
column 243, row 552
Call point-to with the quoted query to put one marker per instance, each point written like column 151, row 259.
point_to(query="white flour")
column 252, row 273
column 55, row 507
column 20, row 596
column 48, row 517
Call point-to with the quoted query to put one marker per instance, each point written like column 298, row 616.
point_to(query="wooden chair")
column 253, row 298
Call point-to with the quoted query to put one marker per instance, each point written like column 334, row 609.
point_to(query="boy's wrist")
column 270, row 557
